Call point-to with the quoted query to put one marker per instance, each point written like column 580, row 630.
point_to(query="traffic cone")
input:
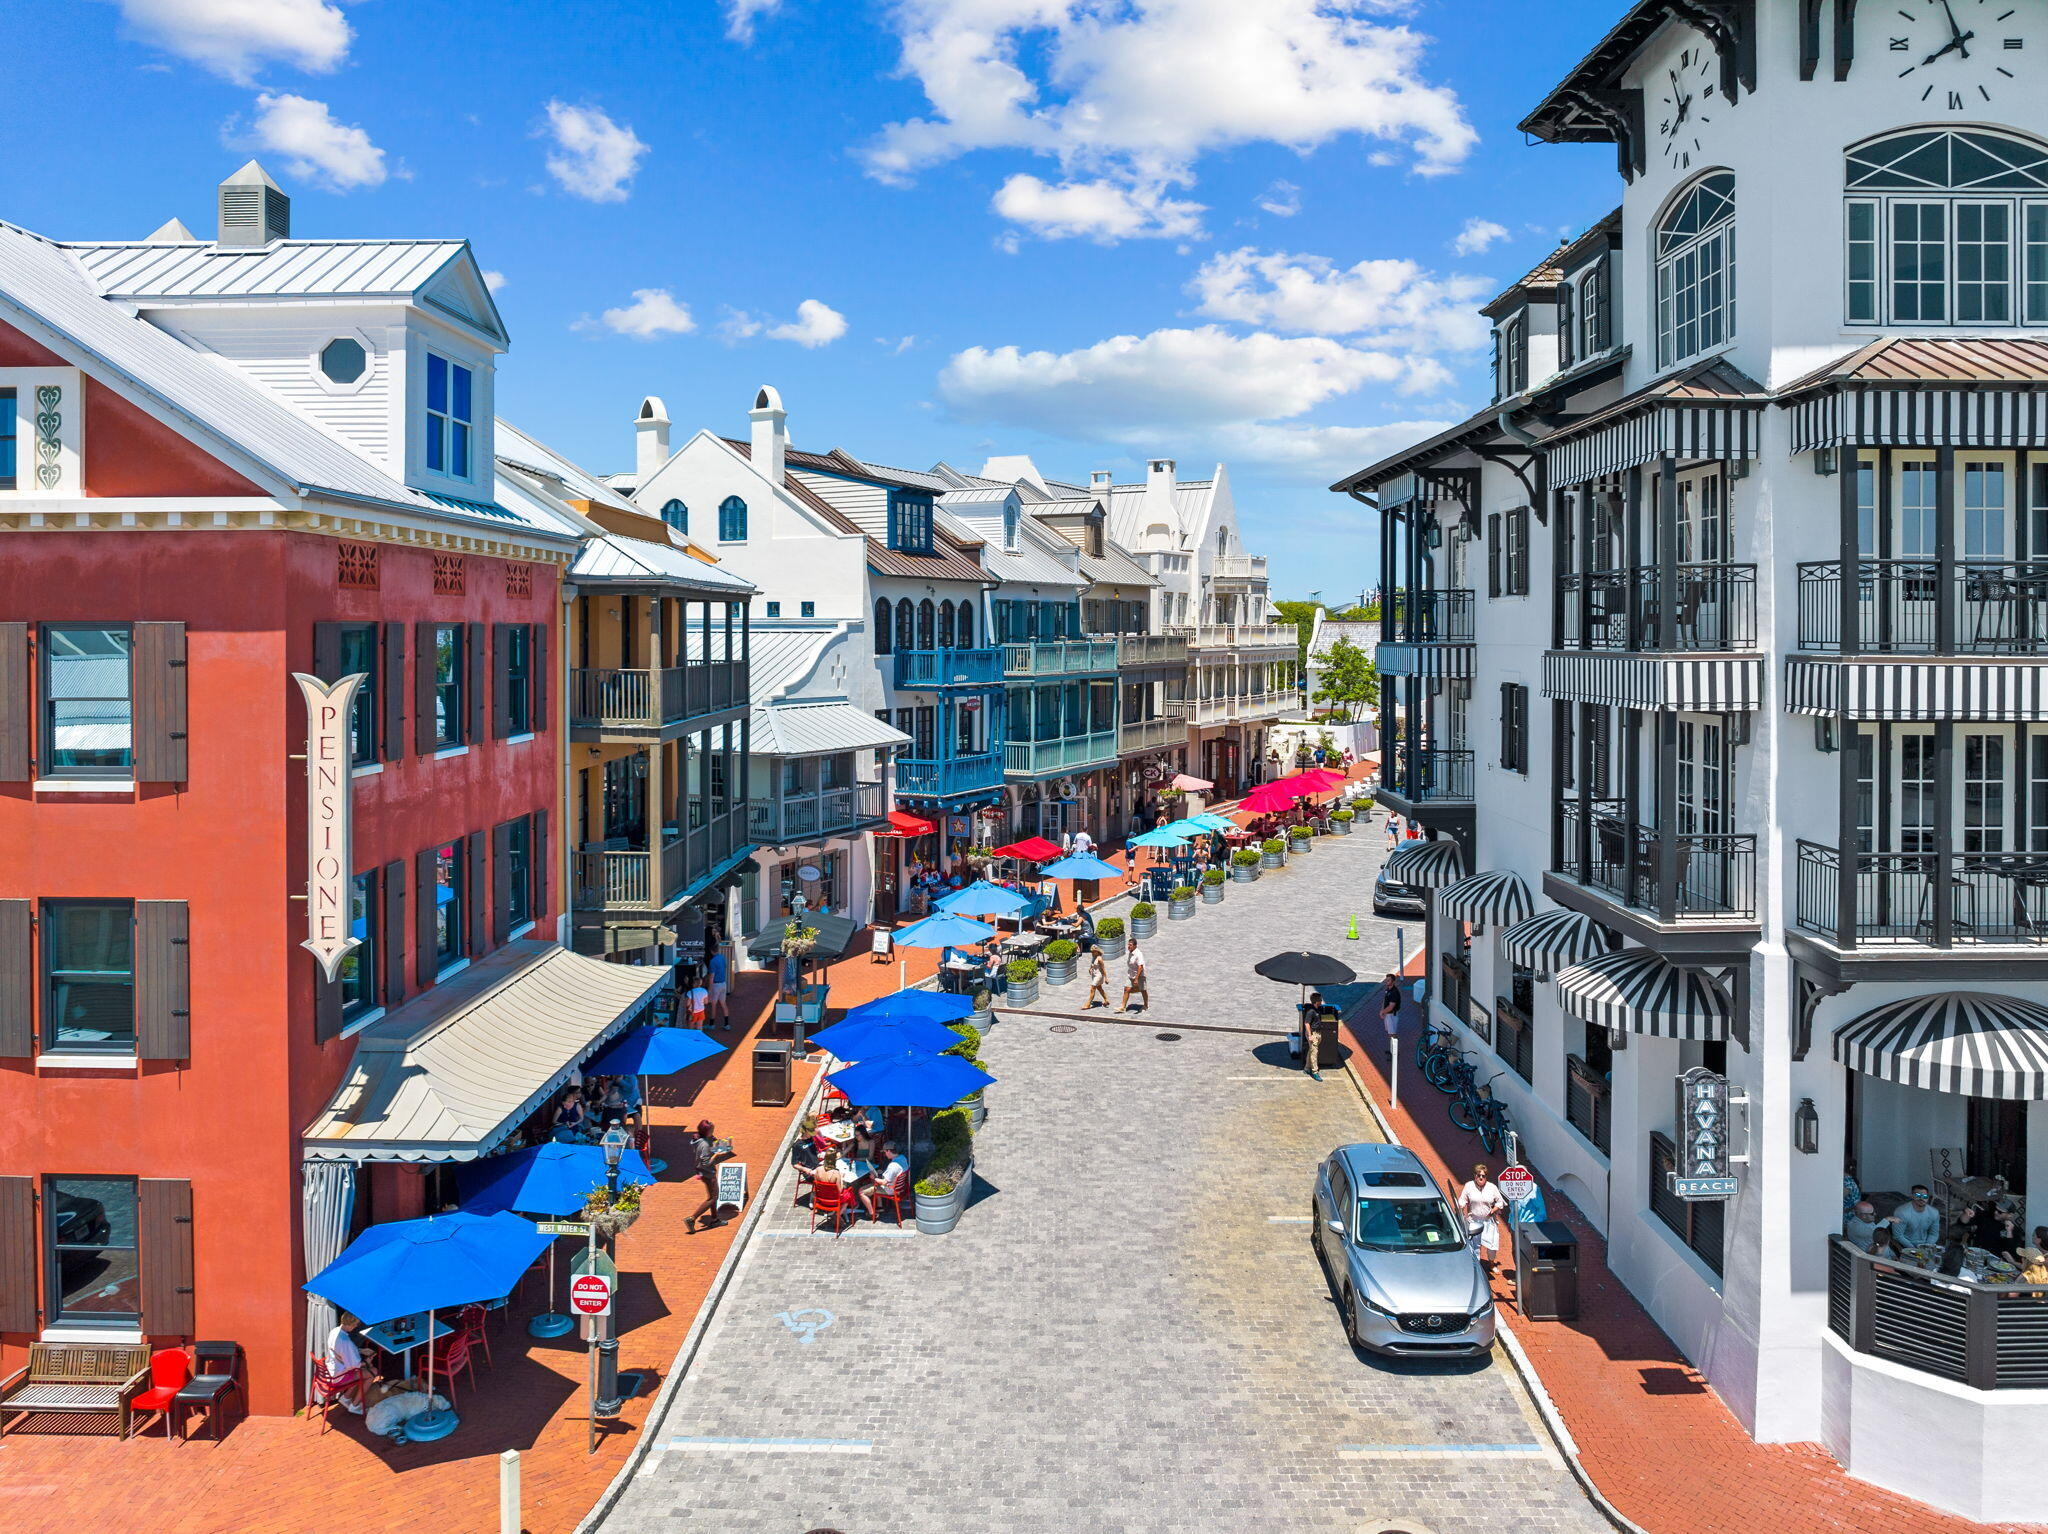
column 1352, row 931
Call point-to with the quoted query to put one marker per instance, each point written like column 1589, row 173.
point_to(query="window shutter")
column 476, row 885
column 17, row 704
column 159, row 702
column 474, row 637
column 424, row 962
column 20, row 1255
column 1603, row 308
column 327, row 651
column 326, row 1006
column 164, row 1233
column 1493, row 555
column 501, row 882
column 163, row 980
column 423, row 690
column 1507, row 725
column 392, row 693
column 537, row 657
column 501, row 679
column 17, row 983
column 541, row 866
column 392, row 884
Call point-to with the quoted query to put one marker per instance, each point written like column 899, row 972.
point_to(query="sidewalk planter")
column 1180, row 904
column 1059, row 960
column 1244, row 865
column 1109, row 932
column 1144, row 920
column 1212, row 887
column 1023, row 978
column 977, row 1111
column 1297, row 841
column 1273, row 853
column 938, row 1213
column 1341, row 821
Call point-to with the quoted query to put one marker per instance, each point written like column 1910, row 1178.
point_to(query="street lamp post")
column 609, row 1400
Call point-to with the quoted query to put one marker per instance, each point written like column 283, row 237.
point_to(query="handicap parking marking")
column 807, row 1323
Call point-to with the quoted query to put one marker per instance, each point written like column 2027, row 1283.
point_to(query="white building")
column 1808, row 811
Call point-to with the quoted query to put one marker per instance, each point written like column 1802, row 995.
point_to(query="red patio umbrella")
column 1271, row 798
column 1033, row 849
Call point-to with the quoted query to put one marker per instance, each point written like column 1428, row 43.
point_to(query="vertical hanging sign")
column 330, row 712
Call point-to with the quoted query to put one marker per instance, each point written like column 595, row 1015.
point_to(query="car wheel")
column 1351, row 1319
column 1315, row 1236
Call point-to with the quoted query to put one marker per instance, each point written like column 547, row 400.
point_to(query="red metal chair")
column 329, row 1391
column 893, row 1197
column 169, row 1370
column 451, row 1357
column 834, row 1200
column 470, row 1323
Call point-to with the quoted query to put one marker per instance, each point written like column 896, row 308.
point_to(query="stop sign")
column 1518, row 1183
column 590, row 1294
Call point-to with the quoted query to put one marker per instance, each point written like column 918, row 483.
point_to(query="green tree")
column 1303, row 616
column 1346, row 677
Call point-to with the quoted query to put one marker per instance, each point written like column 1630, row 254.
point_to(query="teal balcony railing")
column 943, row 778
column 929, row 670
column 1060, row 657
column 1071, row 753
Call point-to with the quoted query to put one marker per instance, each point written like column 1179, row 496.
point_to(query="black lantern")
column 1806, row 1128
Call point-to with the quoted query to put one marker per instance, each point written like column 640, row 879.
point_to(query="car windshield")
column 1404, row 1225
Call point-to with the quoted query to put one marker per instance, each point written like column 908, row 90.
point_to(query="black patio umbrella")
column 1301, row 968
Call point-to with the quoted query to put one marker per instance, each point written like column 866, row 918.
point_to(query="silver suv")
column 1395, row 1249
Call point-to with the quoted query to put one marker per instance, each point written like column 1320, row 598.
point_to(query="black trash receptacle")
column 1547, row 1271
column 771, row 1073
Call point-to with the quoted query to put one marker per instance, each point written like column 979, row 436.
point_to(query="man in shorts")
column 720, row 1015
column 1134, row 977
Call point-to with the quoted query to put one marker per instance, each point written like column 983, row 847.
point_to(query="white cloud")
column 494, row 280
column 1320, row 453
column 740, row 16
column 738, row 325
column 1101, row 210
column 1135, row 93
column 231, row 37
column 816, row 324
column 652, row 314
column 1388, row 302
column 1477, row 235
column 1282, row 199
column 336, row 155
column 594, row 158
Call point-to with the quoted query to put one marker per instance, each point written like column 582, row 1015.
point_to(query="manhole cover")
column 1167, row 1038
column 1064, row 1028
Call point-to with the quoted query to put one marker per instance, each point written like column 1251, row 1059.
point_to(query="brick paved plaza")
column 1128, row 1329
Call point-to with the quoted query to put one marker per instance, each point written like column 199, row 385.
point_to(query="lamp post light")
column 614, row 1143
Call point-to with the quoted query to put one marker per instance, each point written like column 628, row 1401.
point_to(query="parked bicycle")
column 1475, row 1110
column 1436, row 1042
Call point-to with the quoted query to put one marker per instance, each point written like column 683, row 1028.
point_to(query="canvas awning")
column 902, row 824
column 1426, row 865
column 1554, row 940
column 1967, row 1042
column 450, row 1075
column 1635, row 991
column 1500, row 896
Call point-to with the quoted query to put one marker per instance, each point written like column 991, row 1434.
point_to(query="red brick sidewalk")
column 1651, row 1434
column 281, row 1475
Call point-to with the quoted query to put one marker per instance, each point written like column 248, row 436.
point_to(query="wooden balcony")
column 1060, row 657
column 808, row 817
column 1135, row 735
column 610, row 703
column 932, row 670
column 1050, row 758
column 618, row 879
column 946, row 777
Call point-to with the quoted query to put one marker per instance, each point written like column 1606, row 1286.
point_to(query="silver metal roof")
column 610, row 557
column 818, row 729
column 143, row 269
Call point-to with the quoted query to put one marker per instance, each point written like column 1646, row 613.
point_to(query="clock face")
column 1963, row 55
column 1686, row 101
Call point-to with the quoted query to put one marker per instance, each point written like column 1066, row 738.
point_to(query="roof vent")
column 170, row 232
column 254, row 210
column 1099, row 478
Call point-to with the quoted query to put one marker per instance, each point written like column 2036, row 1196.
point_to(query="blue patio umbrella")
column 944, row 930
column 1215, row 822
column 925, row 1006
column 551, row 1179
column 654, row 1052
column 1185, row 826
column 914, row 1079
column 1082, row 865
column 854, row 1038
column 1160, row 838
column 982, row 898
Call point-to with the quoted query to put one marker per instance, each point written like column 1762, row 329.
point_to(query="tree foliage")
column 1345, row 674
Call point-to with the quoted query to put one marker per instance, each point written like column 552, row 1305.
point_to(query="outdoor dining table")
column 838, row 1134
column 402, row 1334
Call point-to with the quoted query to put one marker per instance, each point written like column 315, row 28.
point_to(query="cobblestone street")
column 1128, row 1329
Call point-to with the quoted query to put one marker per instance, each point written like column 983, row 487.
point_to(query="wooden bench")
column 78, row 1377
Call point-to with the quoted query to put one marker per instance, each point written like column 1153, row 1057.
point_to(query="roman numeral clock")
column 1962, row 55
column 1686, row 100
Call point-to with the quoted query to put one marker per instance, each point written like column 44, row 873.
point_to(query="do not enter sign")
column 590, row 1294
column 1518, row 1183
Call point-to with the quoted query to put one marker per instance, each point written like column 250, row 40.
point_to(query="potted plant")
column 1340, row 821
column 949, row 1176
column 612, row 1215
column 1023, row 977
column 1144, row 919
column 1212, row 886
column 1060, row 955
column 969, row 1049
column 1180, row 903
column 799, row 942
column 1272, row 853
column 1110, row 932
column 1297, row 839
column 1244, row 865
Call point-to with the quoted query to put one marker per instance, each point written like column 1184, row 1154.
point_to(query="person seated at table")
column 1860, row 1224
column 867, row 1129
column 830, row 1173
column 889, row 1174
column 1994, row 1225
column 613, row 1107
column 343, row 1360
column 1882, row 1242
column 1916, row 1222
column 570, row 1117
column 994, row 974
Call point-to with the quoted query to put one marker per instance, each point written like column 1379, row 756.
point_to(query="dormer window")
column 1010, row 529
column 1584, row 321
column 1511, row 361
column 910, row 523
column 450, row 418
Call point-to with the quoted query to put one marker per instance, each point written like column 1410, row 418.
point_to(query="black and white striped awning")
column 1498, row 897
column 1426, row 865
column 1720, row 431
column 1713, row 684
column 1966, row 1042
column 1555, row 940
column 1635, row 991
column 1429, row 660
column 1990, row 690
column 2015, row 417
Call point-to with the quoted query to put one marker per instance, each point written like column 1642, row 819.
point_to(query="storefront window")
column 95, row 1276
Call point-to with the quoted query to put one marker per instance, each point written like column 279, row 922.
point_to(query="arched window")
column 1947, row 226
column 677, row 516
column 924, row 624
column 966, row 625
column 732, row 520
column 1696, row 270
column 881, row 625
column 945, row 625
column 906, row 625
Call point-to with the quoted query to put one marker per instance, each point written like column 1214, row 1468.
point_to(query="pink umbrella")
column 1314, row 780
column 1189, row 784
column 1270, row 798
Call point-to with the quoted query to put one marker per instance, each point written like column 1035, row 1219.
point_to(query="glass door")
column 1701, row 811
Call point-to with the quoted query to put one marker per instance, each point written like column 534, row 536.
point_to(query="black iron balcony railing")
column 1988, row 1336
column 1422, row 617
column 1713, row 607
column 1922, row 898
column 1711, row 874
column 1429, row 775
column 1908, row 607
column 603, row 698
column 1587, row 1101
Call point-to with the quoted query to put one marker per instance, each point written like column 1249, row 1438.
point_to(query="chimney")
column 650, row 434
column 254, row 210
column 1159, row 475
column 771, row 433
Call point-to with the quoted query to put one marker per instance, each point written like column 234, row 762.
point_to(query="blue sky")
column 1091, row 230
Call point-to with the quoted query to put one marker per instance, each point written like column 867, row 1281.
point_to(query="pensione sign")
column 330, row 707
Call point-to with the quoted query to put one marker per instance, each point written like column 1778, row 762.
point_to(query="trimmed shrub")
column 1110, row 929
column 1063, row 948
column 1272, row 844
column 1245, row 857
column 1183, row 892
column 1141, row 910
column 952, row 1147
column 1216, row 875
column 1020, row 970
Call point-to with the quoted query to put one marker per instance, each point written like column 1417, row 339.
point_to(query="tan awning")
column 449, row 1076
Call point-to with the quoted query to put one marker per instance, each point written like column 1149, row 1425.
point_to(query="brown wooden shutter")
column 327, row 1005
column 17, row 983
column 17, row 704
column 501, row 679
column 20, row 1255
column 477, row 887
column 391, row 693
column 423, row 690
column 327, row 651
column 392, row 883
column 537, row 657
column 501, row 881
column 424, row 962
column 164, row 1233
column 159, row 702
column 540, row 864
column 475, row 636
column 163, row 985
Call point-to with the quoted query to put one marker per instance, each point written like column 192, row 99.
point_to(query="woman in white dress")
column 1480, row 1201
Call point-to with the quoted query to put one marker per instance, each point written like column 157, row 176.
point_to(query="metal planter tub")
column 1212, row 894
column 937, row 1213
column 1342, row 827
column 1180, row 910
column 1272, row 859
column 1144, row 926
column 1244, row 874
column 1022, row 993
column 1297, row 845
column 1057, row 971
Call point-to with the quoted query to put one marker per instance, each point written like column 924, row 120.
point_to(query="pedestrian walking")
column 709, row 1150
column 1480, row 1201
column 1098, row 980
column 1134, row 978
column 1390, row 1003
column 1393, row 829
column 721, row 1014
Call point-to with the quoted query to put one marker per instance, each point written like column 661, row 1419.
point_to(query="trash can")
column 771, row 1073
column 1547, row 1271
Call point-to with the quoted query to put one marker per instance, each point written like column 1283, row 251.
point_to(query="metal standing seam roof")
column 801, row 728
column 449, row 1076
column 1929, row 359
column 610, row 557
column 779, row 655
column 140, row 269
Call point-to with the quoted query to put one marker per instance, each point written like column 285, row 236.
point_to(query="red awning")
column 1035, row 849
column 901, row 824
